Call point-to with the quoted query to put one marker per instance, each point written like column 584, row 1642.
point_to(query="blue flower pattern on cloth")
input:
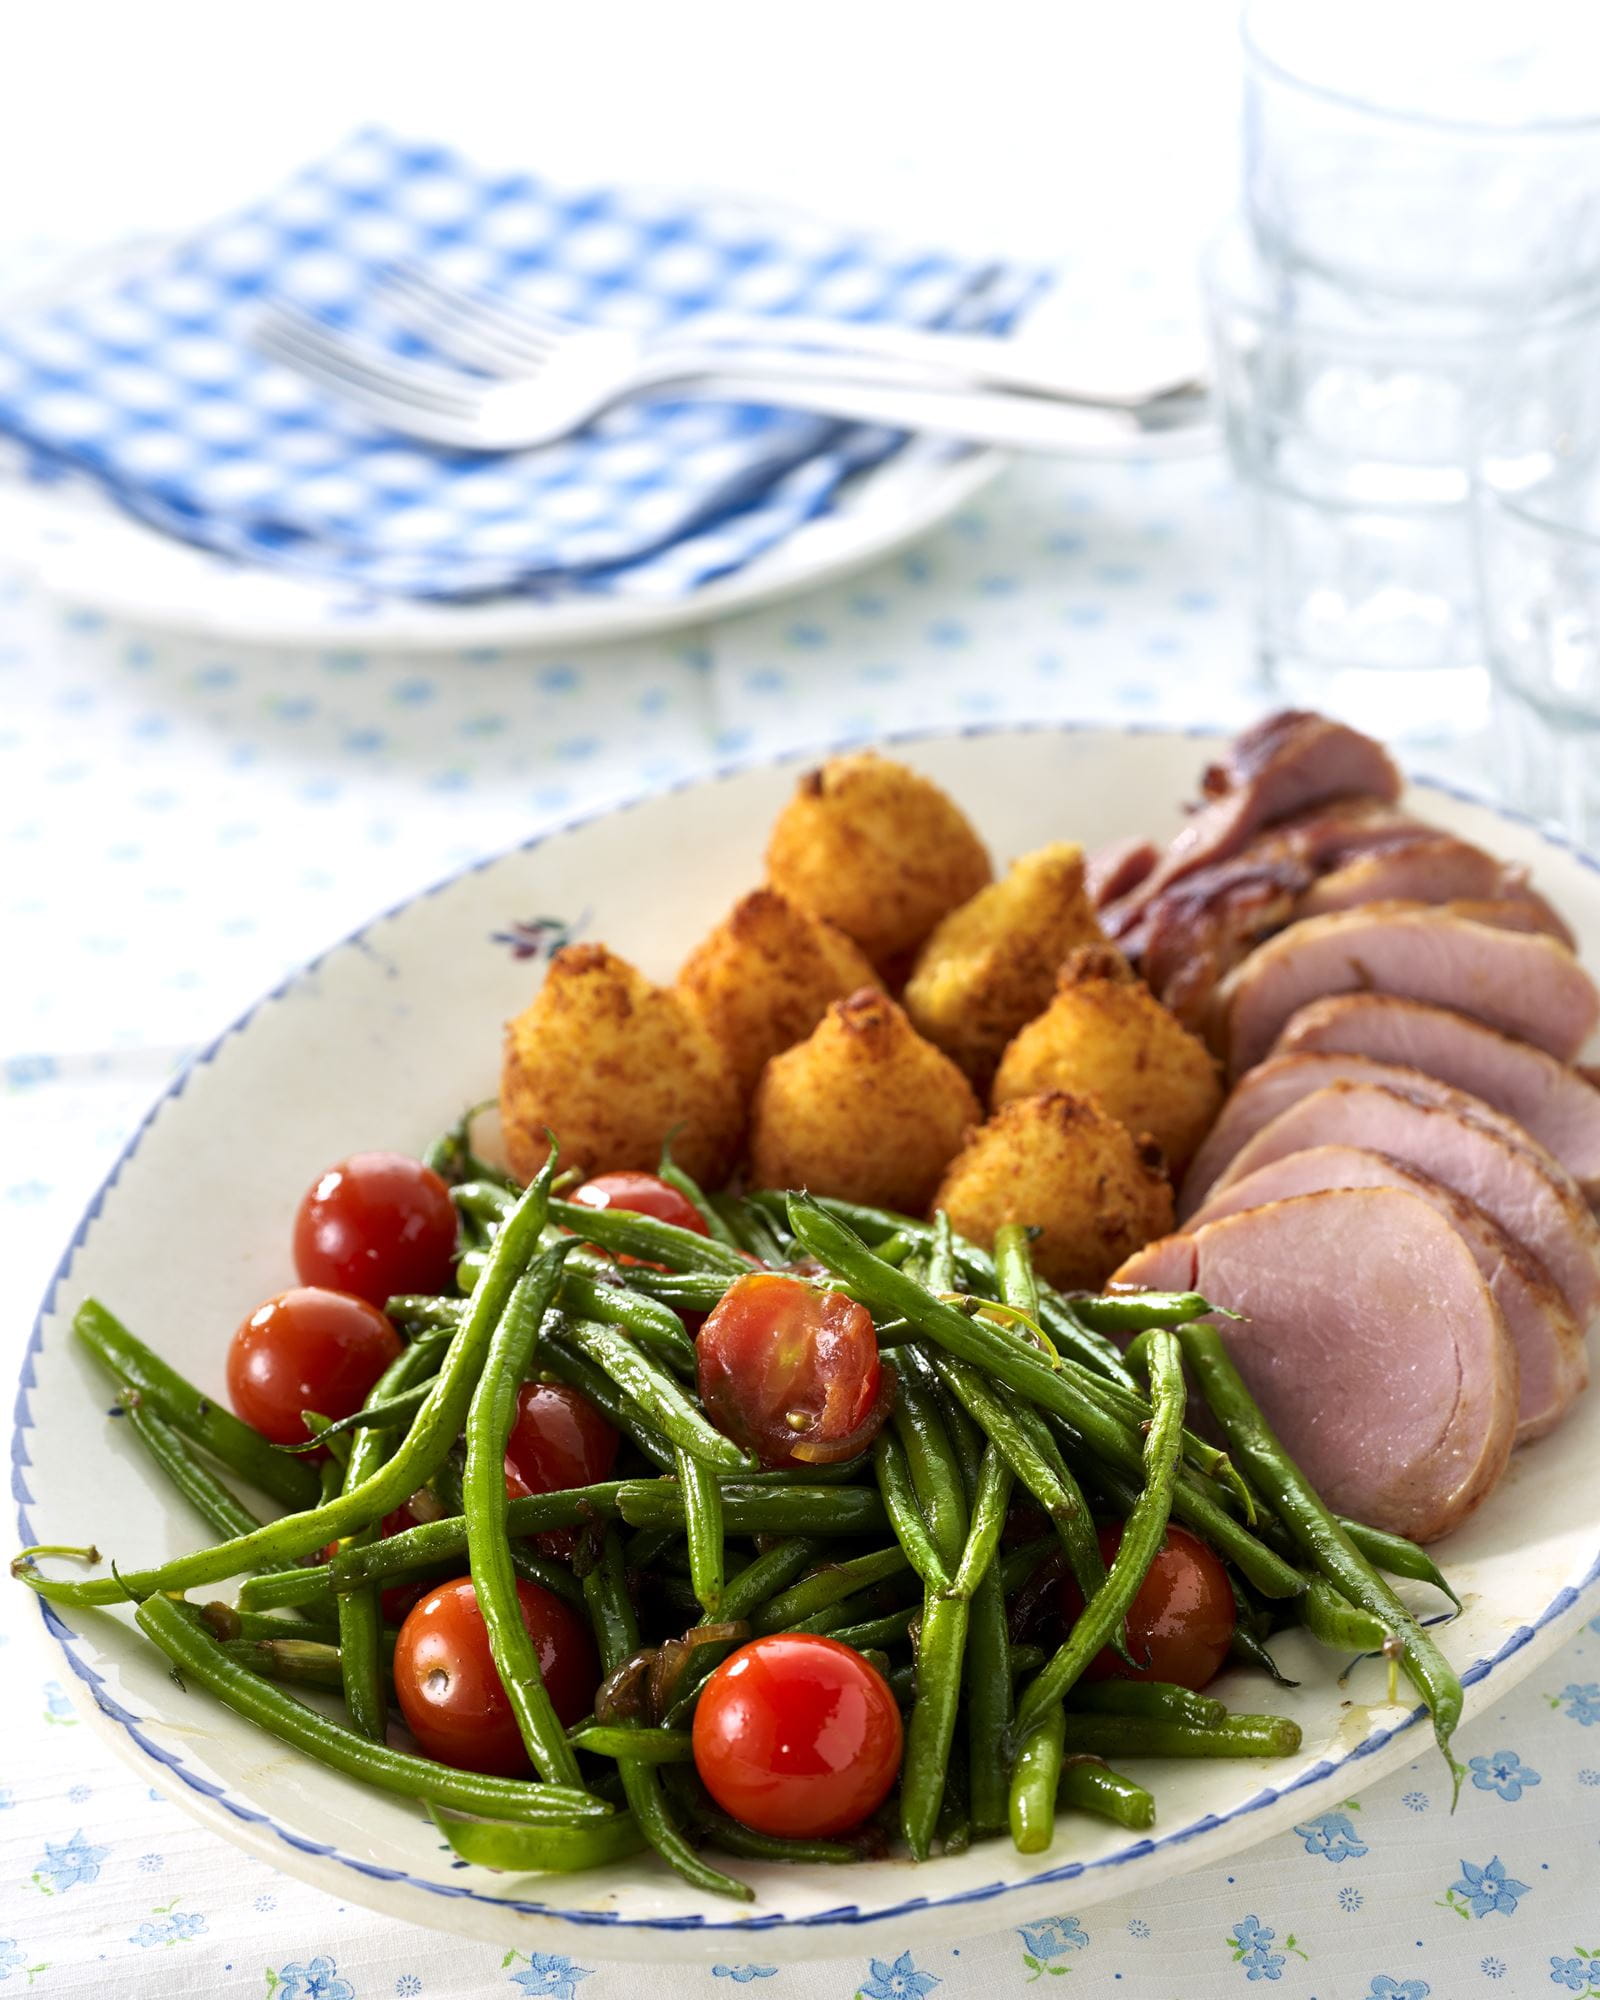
column 1504, row 1774
column 316, row 1979
column 548, row 1975
column 1487, row 1891
column 65, row 1867
column 1333, row 1836
column 741, row 1975
column 1252, row 1942
column 1051, row 1939
column 1581, row 1703
column 1385, row 1988
column 899, row 1980
column 1579, row 1974
column 169, row 1927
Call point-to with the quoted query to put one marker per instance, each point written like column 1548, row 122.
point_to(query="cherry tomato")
column 791, row 1372
column 1181, row 1620
column 558, row 1439
column 641, row 1194
column 797, row 1735
column 454, row 1701
column 376, row 1224
column 307, row 1349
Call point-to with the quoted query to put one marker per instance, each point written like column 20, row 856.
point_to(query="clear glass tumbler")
column 1357, row 438
column 1538, row 549
column 1446, row 151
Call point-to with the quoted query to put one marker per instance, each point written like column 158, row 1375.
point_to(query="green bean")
column 744, row 1593
column 309, row 1662
column 905, row 1516
column 393, row 1411
column 413, row 1464
column 201, row 1661
column 759, row 1510
column 686, row 1185
column 438, row 1542
column 568, row 1363
column 657, row 1394
column 1142, row 1536
column 611, row 1613
column 223, row 1621
column 1317, row 1534
column 683, row 1291
column 489, row 1201
column 1029, row 1374
column 895, row 1249
column 941, row 1276
column 1018, row 1565
column 552, row 1576
column 989, row 1505
column 649, row 1746
column 494, row 1580
column 1247, row 1645
column 1134, row 1410
column 359, row 1612
column 643, row 1550
column 1026, row 1660
column 1015, row 1282
column 1125, row 1314
column 718, row 1830
column 1088, row 1785
column 451, row 1156
column 924, row 1437
column 750, row 1229
column 989, row 1655
column 615, row 1303
column 221, row 1511
column 1398, row 1556
column 424, row 1314
column 1138, row 1736
column 1034, row 1781
column 1156, row 1701
column 703, row 1524
column 841, row 1474
column 555, row 1850
column 1332, row 1620
column 624, row 1233
column 300, row 1588
column 130, row 1364
column 826, row 1588
column 886, row 1631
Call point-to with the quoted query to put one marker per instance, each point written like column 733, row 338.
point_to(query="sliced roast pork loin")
column 1371, row 1343
column 1269, row 1089
column 1557, row 1104
column 1552, row 1360
column 1535, row 1201
column 1429, row 868
column 1110, row 872
column 1522, row 983
column 1282, row 765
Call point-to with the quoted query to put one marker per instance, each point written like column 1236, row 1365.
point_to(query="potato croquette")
column 878, row 850
column 864, row 1109
column 991, row 964
column 612, row 1065
column 1105, row 1035
column 763, row 978
column 1061, row 1164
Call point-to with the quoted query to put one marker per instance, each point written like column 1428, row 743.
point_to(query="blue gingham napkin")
column 151, row 387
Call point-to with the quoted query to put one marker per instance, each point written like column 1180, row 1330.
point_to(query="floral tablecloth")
column 181, row 823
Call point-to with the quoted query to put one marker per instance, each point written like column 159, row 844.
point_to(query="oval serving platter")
column 380, row 1043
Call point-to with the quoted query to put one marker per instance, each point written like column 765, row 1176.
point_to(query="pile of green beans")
column 1016, row 1416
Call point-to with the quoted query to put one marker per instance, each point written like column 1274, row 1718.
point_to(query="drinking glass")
column 1445, row 151
column 1357, row 437
column 1538, row 552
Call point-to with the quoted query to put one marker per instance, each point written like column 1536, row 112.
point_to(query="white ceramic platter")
column 379, row 1044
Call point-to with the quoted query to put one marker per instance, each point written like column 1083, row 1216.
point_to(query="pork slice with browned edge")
column 1523, row 983
column 1557, row 1104
column 1535, row 1201
column 1552, row 1358
column 1369, row 1339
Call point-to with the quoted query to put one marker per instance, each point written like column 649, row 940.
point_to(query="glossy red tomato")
column 454, row 1701
column 791, row 1372
column 642, row 1194
column 558, row 1440
column 797, row 1735
column 307, row 1349
column 1181, row 1620
column 376, row 1224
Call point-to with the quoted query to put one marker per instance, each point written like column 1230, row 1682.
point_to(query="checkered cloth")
column 150, row 386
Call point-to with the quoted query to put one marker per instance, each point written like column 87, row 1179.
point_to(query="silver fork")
column 489, row 333
column 586, row 373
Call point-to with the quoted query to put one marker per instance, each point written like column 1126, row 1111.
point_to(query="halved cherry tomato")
column 376, row 1224
column 307, row 1349
column 641, row 1194
column 797, row 1735
column 558, row 1440
column 791, row 1372
column 454, row 1701
column 1181, row 1621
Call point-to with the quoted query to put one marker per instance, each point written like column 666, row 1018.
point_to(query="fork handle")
column 977, row 416
column 986, row 360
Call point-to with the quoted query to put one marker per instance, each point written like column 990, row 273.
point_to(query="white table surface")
column 180, row 824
